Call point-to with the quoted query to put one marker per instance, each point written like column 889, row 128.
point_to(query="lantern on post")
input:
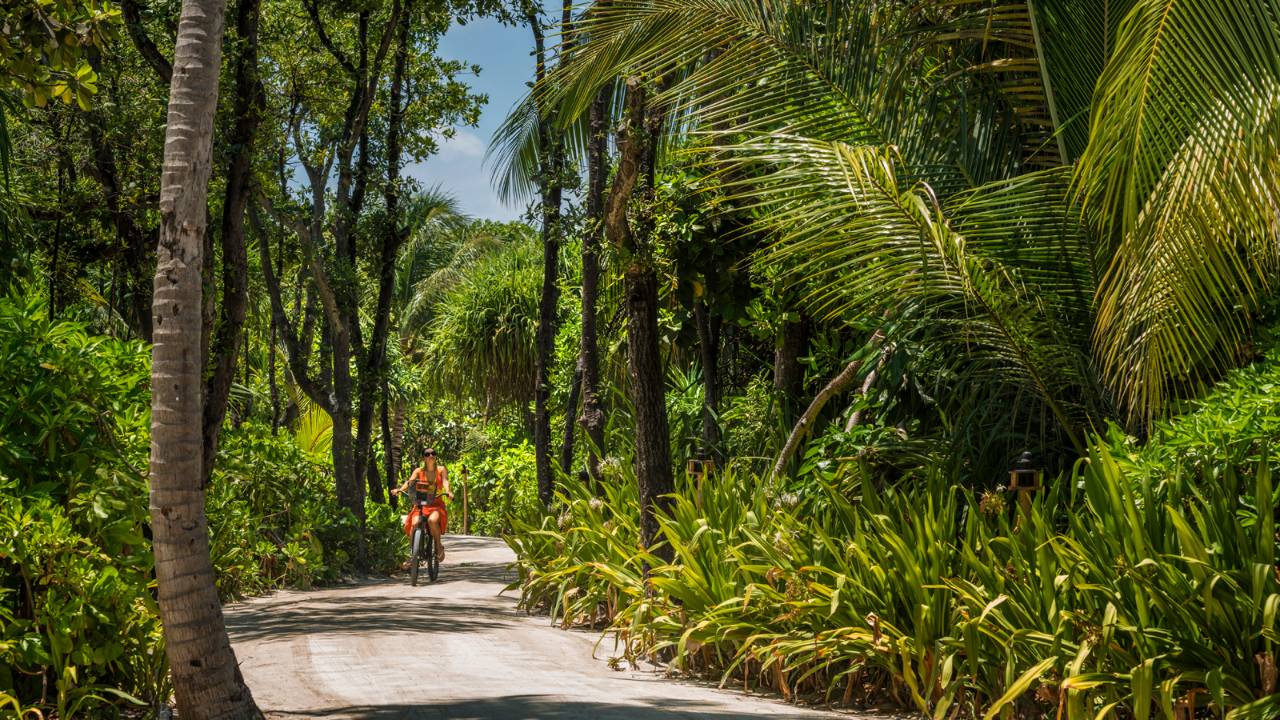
column 1024, row 479
column 698, row 469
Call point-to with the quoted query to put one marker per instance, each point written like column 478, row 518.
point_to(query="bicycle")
column 422, row 539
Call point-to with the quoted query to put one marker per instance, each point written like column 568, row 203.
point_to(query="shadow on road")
column 518, row 707
column 359, row 615
column 311, row 612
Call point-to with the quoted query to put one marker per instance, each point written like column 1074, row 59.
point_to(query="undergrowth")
column 1142, row 584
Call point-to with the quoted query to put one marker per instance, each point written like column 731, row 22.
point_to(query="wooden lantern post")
column 1024, row 479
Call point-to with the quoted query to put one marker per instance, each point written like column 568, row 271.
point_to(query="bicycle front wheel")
column 433, row 564
column 415, row 555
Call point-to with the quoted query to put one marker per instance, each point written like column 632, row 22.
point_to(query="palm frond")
column 1176, row 306
column 1180, row 179
column 996, row 273
column 860, row 72
column 1077, row 38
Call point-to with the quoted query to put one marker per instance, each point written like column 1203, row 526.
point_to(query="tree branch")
column 297, row 356
column 833, row 388
column 142, row 41
column 313, row 11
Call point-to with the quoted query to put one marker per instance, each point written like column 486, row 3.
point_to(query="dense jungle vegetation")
column 878, row 354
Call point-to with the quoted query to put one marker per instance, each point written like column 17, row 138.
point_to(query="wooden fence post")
column 466, row 521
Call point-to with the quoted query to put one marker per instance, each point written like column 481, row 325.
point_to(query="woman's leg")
column 433, row 524
column 414, row 518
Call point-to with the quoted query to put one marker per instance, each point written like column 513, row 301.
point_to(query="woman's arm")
column 444, row 481
column 403, row 487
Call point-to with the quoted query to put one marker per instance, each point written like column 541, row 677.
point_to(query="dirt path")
column 454, row 649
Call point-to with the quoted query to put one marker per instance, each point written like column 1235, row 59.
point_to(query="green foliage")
column 44, row 48
column 486, row 319
column 1236, row 423
column 501, row 484
column 1143, row 584
column 79, row 627
column 76, row 610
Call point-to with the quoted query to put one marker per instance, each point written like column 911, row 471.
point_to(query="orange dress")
column 424, row 486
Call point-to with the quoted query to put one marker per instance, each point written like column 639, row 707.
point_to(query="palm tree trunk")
column 397, row 439
column 205, row 674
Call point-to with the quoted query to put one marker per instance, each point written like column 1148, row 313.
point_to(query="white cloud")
column 458, row 170
column 464, row 144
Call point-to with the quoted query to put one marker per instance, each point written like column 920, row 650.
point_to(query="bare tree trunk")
column 644, row 363
column 271, row 374
column 374, row 479
column 788, row 374
column 397, row 438
column 648, row 393
column 235, row 258
column 592, row 417
column 205, row 673
column 388, row 457
column 708, row 349
column 570, row 410
column 551, row 191
column 373, row 365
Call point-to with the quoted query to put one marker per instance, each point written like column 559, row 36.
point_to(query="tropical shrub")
column 76, row 611
column 501, row 484
column 79, row 629
column 1123, row 590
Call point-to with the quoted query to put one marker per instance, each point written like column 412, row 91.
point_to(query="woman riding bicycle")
column 430, row 483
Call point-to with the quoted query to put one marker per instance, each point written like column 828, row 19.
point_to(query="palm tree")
column 1077, row 198
column 205, row 674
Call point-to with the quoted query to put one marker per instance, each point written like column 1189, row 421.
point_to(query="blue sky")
column 503, row 54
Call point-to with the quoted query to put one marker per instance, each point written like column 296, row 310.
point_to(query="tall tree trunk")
column 788, row 373
column 570, row 410
column 397, row 438
column 551, row 191
column 204, row 669
column 350, row 485
column 708, row 350
column 373, row 367
column 235, row 258
column 647, row 384
column 388, row 457
column 338, row 289
column 271, row 374
column 648, row 394
column 374, row 478
column 592, row 417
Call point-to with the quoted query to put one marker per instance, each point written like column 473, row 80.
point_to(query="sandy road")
column 453, row 649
